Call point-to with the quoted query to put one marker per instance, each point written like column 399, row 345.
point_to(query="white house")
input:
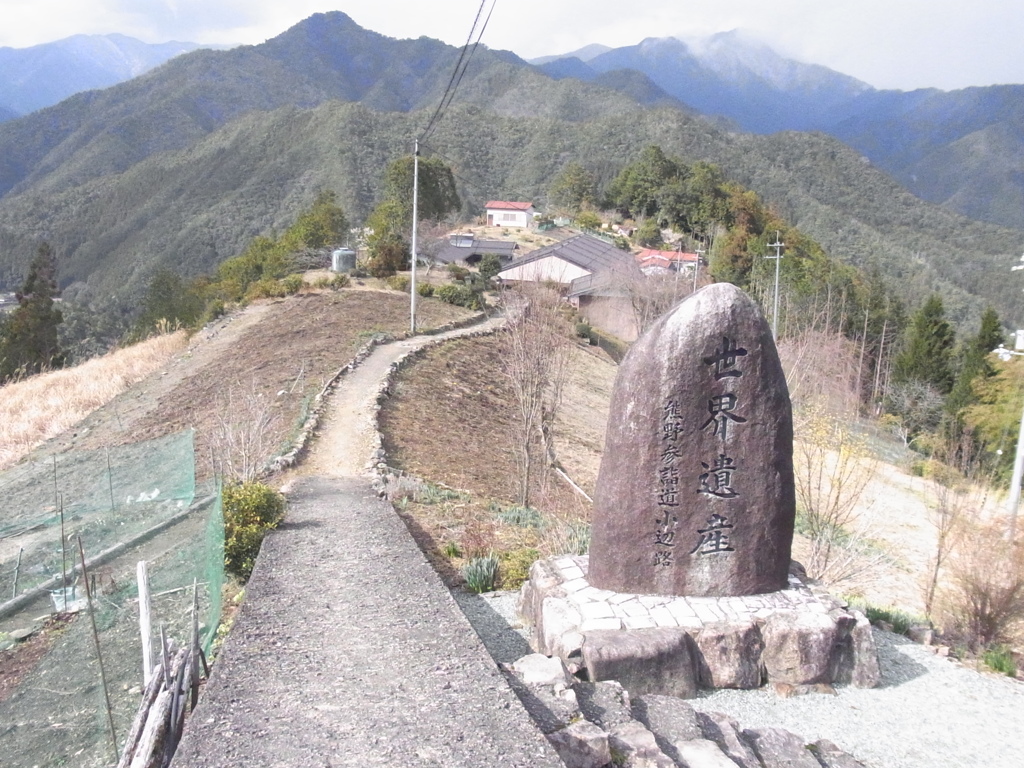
column 505, row 214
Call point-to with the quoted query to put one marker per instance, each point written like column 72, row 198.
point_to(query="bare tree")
column 651, row 296
column 242, row 437
column 535, row 360
column 832, row 467
column 957, row 489
column 915, row 407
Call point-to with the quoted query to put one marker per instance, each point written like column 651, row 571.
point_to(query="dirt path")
column 347, row 439
column 347, row 634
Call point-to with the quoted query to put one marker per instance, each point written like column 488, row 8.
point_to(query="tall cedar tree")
column 927, row 354
column 29, row 341
column 974, row 362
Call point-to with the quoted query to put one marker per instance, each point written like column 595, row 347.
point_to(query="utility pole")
column 415, row 222
column 696, row 267
column 778, row 246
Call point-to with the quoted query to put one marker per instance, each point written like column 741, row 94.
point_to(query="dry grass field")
column 40, row 407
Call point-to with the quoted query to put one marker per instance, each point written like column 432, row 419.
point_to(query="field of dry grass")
column 40, row 407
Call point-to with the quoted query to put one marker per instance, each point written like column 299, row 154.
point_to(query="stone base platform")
column 797, row 639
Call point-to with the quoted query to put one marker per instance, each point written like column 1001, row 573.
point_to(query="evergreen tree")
column 29, row 341
column 974, row 362
column 927, row 353
column 573, row 188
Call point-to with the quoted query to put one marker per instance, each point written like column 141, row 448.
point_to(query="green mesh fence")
column 136, row 502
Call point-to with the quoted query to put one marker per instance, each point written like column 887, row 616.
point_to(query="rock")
column 633, row 746
column 551, row 707
column 605, row 704
column 921, row 635
column 776, row 748
column 5, row 644
column 695, row 494
column 857, row 649
column 725, row 733
column 730, row 655
column 582, row 745
column 22, row 634
column 798, row 647
column 701, row 753
column 670, row 718
column 557, row 633
column 538, row 669
column 661, row 660
column 831, row 756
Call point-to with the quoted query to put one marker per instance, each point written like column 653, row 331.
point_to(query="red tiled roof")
column 650, row 253
column 503, row 205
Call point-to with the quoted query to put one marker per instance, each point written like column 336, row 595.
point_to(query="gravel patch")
column 928, row 711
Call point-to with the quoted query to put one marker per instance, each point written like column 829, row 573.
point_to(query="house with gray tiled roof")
column 467, row 249
column 592, row 274
column 567, row 260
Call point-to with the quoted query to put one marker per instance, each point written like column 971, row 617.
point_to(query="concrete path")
column 348, row 649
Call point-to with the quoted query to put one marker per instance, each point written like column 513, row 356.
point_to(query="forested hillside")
column 182, row 167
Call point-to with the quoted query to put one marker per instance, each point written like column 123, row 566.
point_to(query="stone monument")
column 695, row 495
column 688, row 582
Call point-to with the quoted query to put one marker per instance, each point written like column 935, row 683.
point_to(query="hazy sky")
column 888, row 43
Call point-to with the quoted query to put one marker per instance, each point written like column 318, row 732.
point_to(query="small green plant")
column 322, row 282
column 481, row 574
column 435, row 494
column 521, row 517
column 451, row 550
column 250, row 510
column 340, row 281
column 999, row 658
column 900, row 621
column 515, row 567
column 425, row 289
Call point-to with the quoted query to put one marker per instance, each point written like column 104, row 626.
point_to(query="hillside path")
column 348, row 649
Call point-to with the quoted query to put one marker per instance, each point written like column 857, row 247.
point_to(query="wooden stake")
column 195, row 644
column 110, row 480
column 63, row 554
column 135, row 732
column 145, row 624
column 99, row 654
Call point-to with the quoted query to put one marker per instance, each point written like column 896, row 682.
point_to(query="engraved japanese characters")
column 695, row 494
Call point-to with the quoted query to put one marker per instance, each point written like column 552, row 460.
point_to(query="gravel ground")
column 928, row 712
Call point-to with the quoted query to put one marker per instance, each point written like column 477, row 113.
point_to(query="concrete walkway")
column 348, row 649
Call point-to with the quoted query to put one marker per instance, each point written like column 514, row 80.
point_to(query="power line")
column 461, row 65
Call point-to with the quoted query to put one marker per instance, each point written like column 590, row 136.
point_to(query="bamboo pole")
column 99, row 653
column 145, row 622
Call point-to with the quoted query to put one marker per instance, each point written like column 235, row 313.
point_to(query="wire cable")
column 461, row 65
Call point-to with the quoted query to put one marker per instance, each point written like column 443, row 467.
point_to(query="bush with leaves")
column 459, row 295
column 425, row 289
column 250, row 510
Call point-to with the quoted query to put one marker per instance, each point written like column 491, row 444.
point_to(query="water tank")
column 343, row 260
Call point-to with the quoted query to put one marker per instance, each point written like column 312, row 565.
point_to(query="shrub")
column 322, row 282
column 267, row 288
column 985, row 601
column 459, row 295
column 340, row 281
column 515, row 567
column 481, row 574
column 292, row 284
column 250, row 510
column 457, row 273
column 999, row 658
column 490, row 265
column 398, row 283
column 425, row 289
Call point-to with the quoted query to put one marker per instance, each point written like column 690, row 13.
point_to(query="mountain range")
column 42, row 75
column 181, row 166
column 963, row 149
